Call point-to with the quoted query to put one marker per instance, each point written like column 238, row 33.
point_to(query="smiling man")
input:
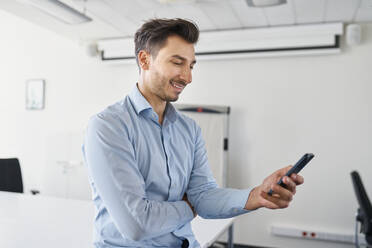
column 147, row 162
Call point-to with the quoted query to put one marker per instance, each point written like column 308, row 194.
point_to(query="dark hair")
column 152, row 35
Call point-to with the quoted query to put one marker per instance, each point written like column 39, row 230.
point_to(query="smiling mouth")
column 178, row 86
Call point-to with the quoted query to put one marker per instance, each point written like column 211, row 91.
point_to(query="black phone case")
column 295, row 169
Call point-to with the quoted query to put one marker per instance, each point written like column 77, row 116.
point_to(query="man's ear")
column 144, row 59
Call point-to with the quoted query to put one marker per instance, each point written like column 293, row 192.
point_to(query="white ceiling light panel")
column 59, row 10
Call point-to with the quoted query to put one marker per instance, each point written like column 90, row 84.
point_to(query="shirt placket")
column 171, row 170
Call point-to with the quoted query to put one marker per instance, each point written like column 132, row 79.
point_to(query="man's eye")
column 177, row 63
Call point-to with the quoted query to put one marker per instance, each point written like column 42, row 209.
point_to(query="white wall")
column 76, row 87
column 281, row 108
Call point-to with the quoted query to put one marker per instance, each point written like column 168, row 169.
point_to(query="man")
column 147, row 162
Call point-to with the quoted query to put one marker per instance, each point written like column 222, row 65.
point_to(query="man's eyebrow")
column 182, row 58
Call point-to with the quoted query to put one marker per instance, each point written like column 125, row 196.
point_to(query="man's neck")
column 156, row 103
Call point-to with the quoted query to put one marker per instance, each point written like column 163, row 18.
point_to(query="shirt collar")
column 138, row 100
column 140, row 104
column 171, row 113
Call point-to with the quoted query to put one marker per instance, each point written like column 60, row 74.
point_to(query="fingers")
column 298, row 179
column 292, row 181
column 280, row 199
column 281, row 172
column 283, row 193
column 273, row 202
column 290, row 184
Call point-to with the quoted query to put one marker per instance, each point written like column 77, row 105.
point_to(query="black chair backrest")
column 10, row 175
column 365, row 208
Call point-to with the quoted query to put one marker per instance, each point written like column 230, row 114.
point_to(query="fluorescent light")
column 59, row 10
column 265, row 3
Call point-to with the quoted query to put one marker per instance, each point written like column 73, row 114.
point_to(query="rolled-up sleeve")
column 208, row 199
column 111, row 163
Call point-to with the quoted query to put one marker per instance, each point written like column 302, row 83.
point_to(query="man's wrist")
column 192, row 208
column 253, row 199
column 188, row 203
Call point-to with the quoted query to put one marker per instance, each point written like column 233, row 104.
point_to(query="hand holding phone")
column 295, row 169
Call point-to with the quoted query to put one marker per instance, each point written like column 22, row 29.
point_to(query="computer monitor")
column 365, row 208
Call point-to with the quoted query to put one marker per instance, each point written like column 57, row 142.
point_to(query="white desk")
column 38, row 221
column 208, row 231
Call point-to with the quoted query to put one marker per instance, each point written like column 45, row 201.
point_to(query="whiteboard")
column 213, row 121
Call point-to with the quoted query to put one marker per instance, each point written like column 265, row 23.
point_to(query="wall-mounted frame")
column 35, row 94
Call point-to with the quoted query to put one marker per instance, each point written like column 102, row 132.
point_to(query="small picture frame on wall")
column 35, row 93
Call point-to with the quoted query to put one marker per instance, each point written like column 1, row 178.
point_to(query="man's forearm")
column 219, row 202
column 139, row 219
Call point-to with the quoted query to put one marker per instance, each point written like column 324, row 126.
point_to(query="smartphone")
column 295, row 169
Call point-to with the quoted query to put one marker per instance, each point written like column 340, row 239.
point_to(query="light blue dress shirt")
column 139, row 171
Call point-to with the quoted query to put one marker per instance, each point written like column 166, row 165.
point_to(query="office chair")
column 10, row 175
column 364, row 213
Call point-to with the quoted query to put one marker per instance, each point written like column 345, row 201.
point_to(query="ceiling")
column 121, row 18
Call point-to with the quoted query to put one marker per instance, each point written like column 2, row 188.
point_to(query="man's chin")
column 172, row 99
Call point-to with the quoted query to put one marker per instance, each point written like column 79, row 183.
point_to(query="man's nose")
column 186, row 75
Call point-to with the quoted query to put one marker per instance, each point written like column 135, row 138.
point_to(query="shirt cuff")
column 240, row 200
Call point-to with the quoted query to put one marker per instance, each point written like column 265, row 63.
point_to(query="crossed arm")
column 122, row 188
